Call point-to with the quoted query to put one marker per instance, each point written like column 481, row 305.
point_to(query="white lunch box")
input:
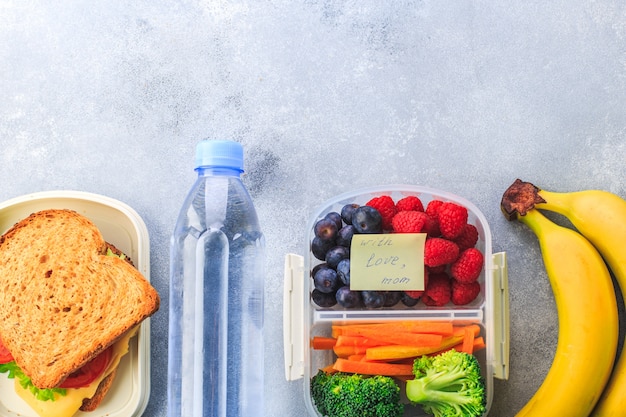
column 303, row 319
column 123, row 227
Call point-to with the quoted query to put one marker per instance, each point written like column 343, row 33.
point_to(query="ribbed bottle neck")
column 218, row 172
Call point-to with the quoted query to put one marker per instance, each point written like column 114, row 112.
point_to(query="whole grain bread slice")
column 62, row 300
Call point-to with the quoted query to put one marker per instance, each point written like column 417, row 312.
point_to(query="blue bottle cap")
column 219, row 154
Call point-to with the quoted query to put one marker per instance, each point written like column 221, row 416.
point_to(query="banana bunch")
column 582, row 380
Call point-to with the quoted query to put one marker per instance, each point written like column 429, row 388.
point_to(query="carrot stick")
column 323, row 343
column 460, row 330
column 443, row 328
column 372, row 368
column 391, row 336
column 343, row 340
column 479, row 343
column 395, row 352
column 329, row 369
column 468, row 341
column 335, row 331
column 346, row 351
column 410, row 339
column 406, row 361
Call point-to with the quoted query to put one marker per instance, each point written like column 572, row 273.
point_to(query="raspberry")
column 409, row 222
column 432, row 226
column 433, row 207
column 464, row 293
column 467, row 238
column 468, row 266
column 386, row 207
column 438, row 292
column 439, row 251
column 437, row 269
column 452, row 219
column 410, row 203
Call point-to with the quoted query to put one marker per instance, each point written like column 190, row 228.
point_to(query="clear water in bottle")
column 217, row 270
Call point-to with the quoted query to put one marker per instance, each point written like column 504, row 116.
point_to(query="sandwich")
column 69, row 304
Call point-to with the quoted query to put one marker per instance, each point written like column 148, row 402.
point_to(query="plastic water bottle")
column 217, row 272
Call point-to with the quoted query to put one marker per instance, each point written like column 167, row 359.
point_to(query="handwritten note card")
column 387, row 262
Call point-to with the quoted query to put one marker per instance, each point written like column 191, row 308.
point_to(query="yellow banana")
column 600, row 216
column 587, row 313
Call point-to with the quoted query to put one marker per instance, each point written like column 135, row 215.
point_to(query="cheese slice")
column 67, row 405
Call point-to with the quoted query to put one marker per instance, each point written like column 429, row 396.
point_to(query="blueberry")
column 344, row 236
column 336, row 254
column 343, row 271
column 319, row 247
column 323, row 299
column 392, row 298
column 408, row 301
column 326, row 280
column 326, row 229
column 347, row 211
column 335, row 217
column 367, row 219
column 373, row 299
column 317, row 268
column 348, row 298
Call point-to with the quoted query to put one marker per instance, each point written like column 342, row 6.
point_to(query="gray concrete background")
column 326, row 97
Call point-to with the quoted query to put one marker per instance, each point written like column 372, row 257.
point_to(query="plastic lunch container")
column 303, row 319
column 123, row 227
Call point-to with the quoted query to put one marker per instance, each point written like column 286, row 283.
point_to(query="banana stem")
column 519, row 199
column 537, row 222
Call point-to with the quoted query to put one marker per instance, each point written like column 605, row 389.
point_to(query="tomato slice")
column 5, row 355
column 88, row 373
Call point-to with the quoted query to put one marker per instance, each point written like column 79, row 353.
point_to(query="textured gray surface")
column 326, row 97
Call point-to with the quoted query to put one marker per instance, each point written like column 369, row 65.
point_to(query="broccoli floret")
column 447, row 385
column 352, row 395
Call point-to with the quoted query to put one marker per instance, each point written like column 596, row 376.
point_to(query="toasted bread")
column 62, row 300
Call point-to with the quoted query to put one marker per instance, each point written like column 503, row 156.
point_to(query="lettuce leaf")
column 14, row 371
column 111, row 253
